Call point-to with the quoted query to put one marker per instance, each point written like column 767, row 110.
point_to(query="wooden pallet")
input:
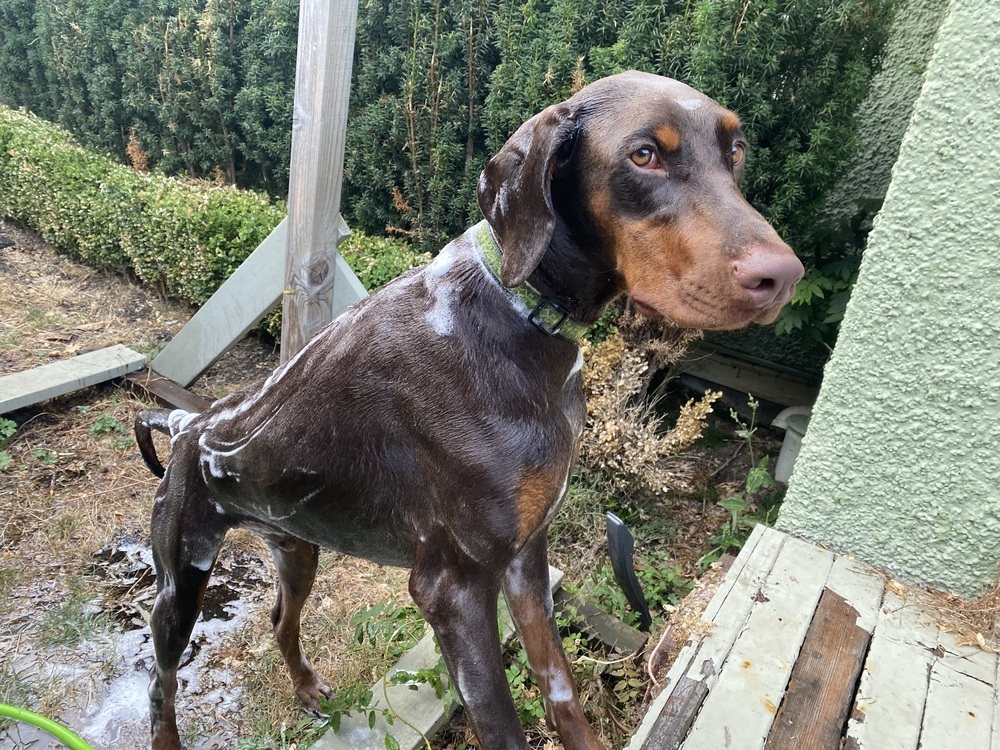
column 809, row 650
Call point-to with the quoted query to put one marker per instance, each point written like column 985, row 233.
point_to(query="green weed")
column 106, row 424
column 44, row 456
column 392, row 627
column 662, row 581
column 7, row 429
column 759, row 501
column 38, row 318
column 10, row 340
column 74, row 621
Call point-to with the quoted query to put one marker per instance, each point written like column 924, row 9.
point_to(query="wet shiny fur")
column 434, row 426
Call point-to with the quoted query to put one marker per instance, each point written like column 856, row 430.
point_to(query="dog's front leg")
column 526, row 588
column 458, row 597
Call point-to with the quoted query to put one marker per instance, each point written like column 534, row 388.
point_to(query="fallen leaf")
column 91, row 326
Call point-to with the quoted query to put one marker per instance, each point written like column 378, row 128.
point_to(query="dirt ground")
column 76, row 585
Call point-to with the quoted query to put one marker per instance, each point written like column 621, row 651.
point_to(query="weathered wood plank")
column 672, row 723
column 701, row 660
column 959, row 711
column 237, row 306
column 708, row 363
column 721, row 577
column 319, row 131
column 861, row 587
column 995, row 735
column 731, row 607
column 893, row 686
column 739, row 710
column 821, row 689
column 906, row 622
column 241, row 303
column 594, row 622
column 674, row 678
column 418, row 713
column 168, row 392
column 21, row 389
column 749, row 555
column 970, row 660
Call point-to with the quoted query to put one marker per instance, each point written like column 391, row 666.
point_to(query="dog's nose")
column 768, row 275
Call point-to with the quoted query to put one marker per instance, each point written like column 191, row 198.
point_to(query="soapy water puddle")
column 105, row 679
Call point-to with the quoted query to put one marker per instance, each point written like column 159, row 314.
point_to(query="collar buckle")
column 548, row 316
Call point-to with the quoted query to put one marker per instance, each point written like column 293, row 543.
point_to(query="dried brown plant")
column 399, row 202
column 138, row 158
column 626, row 441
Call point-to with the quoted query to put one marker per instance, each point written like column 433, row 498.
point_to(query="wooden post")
column 319, row 129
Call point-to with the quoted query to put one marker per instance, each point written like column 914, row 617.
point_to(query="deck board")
column 735, row 603
column 807, row 649
column 891, row 696
column 959, row 711
column 821, row 689
column 995, row 734
column 28, row 387
column 739, row 710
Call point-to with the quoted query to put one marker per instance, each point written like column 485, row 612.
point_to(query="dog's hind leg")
column 186, row 534
column 526, row 588
column 296, row 562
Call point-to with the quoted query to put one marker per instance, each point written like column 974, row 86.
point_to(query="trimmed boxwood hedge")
column 184, row 237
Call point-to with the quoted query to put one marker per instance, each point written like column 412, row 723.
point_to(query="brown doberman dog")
column 435, row 424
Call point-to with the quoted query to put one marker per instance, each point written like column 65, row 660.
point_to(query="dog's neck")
column 577, row 272
column 543, row 311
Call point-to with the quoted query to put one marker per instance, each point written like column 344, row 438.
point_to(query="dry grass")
column 974, row 622
column 77, row 485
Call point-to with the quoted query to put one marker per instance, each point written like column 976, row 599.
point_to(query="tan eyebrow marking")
column 730, row 122
column 668, row 137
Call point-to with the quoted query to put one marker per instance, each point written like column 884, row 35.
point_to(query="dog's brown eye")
column 739, row 153
column 645, row 157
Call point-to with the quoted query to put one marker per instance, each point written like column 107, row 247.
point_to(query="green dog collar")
column 544, row 313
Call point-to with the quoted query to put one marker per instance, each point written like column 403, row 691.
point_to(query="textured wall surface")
column 901, row 463
column 886, row 112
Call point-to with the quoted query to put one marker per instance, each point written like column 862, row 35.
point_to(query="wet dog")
column 435, row 424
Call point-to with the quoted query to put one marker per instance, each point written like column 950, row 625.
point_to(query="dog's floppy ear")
column 515, row 189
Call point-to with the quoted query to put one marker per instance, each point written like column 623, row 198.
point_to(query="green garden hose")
column 61, row 733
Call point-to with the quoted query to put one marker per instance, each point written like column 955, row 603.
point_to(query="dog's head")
column 649, row 170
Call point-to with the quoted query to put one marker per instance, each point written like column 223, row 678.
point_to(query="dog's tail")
column 145, row 422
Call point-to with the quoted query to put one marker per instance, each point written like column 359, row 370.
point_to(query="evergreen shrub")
column 185, row 237
column 204, row 88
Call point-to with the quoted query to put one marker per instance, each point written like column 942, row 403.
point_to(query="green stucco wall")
column 901, row 463
column 885, row 114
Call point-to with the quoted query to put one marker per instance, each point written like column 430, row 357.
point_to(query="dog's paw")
column 309, row 693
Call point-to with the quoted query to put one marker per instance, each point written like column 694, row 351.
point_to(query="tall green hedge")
column 185, row 237
column 204, row 88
